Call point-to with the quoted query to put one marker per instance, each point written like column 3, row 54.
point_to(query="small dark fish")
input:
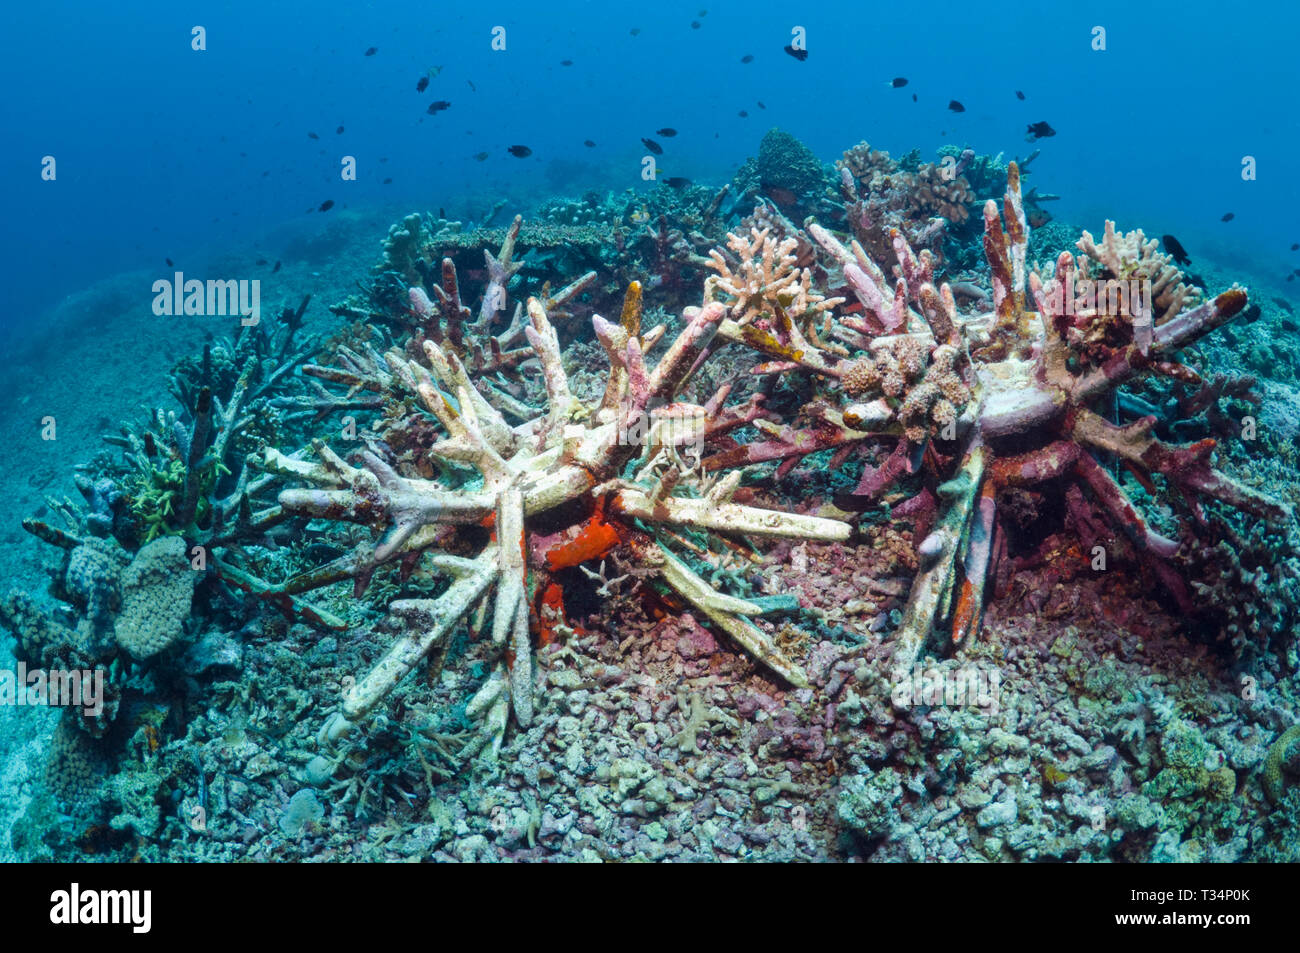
column 262, row 261
column 1019, row 94
column 1296, row 247
column 898, row 82
column 635, row 31
column 437, row 106
column 677, row 182
column 388, row 181
column 588, row 143
column 520, row 152
column 914, row 97
column 1290, row 277
column 276, row 268
column 383, row 158
column 566, row 62
column 481, row 156
column 338, row 131
column 747, row 58
column 472, row 86
column 1039, row 130
column 170, row 263
column 667, row 132
column 695, row 24
column 1283, row 303
column 956, row 106
column 653, row 146
column 760, row 104
column 422, row 85
column 800, row 55
column 372, row 51
column 1175, row 249
column 1227, row 217
column 312, row 135
column 326, row 205
column 743, row 115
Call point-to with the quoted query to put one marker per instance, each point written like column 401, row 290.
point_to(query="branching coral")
column 991, row 405
column 766, row 278
column 1132, row 256
column 974, row 407
column 183, row 483
column 574, row 461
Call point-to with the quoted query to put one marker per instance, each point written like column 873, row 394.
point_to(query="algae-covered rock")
column 867, row 804
column 303, row 808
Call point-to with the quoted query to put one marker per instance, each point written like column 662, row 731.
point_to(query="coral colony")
column 560, row 521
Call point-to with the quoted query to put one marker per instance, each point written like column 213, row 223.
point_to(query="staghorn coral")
column 1014, row 392
column 765, row 279
column 1132, row 256
column 504, row 479
column 611, row 731
column 978, row 410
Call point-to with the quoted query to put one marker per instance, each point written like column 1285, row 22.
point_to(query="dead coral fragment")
column 990, row 386
column 501, row 477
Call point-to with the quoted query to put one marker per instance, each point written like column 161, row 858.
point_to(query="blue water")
column 162, row 150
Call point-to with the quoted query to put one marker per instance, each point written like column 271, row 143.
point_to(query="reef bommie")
column 975, row 406
column 495, row 470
